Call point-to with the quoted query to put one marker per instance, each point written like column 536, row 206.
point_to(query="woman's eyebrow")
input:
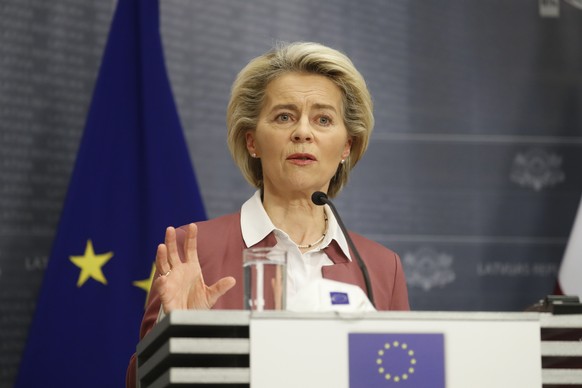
column 292, row 107
column 325, row 106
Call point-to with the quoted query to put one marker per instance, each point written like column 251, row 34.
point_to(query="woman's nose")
column 302, row 132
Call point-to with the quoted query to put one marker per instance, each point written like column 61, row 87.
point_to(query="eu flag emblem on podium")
column 389, row 360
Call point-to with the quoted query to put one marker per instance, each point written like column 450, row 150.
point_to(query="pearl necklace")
column 306, row 246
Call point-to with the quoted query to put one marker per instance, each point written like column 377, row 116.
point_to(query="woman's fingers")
column 218, row 289
column 190, row 243
column 185, row 287
column 162, row 264
column 172, row 247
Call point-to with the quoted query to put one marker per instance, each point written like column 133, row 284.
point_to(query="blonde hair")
column 248, row 92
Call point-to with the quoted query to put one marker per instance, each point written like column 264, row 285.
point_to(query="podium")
column 233, row 348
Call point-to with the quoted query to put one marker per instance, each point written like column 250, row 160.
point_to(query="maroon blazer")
column 220, row 246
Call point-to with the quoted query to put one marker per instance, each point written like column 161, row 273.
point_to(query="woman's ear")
column 347, row 148
column 250, row 138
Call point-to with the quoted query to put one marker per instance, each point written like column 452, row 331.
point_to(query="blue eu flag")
column 132, row 178
column 396, row 360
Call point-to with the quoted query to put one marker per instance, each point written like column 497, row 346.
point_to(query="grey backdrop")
column 472, row 175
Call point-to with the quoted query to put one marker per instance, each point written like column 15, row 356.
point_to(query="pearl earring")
column 254, row 155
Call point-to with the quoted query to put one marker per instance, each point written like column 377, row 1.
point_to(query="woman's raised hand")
column 181, row 284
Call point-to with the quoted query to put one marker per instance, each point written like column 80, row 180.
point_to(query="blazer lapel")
column 342, row 270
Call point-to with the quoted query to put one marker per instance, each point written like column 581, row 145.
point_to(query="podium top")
column 243, row 317
column 402, row 315
column 209, row 317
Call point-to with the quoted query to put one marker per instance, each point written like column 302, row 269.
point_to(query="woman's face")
column 300, row 136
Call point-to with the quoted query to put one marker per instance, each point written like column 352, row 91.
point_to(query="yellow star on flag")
column 146, row 284
column 91, row 264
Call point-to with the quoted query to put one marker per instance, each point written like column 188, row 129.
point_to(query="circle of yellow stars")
column 390, row 375
column 91, row 265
